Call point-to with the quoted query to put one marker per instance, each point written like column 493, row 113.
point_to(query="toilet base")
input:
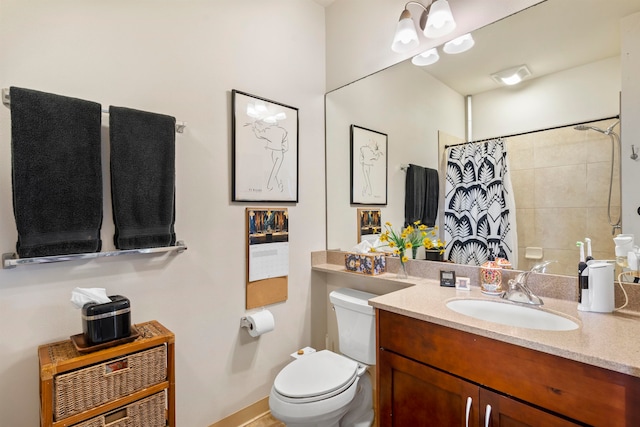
column 360, row 412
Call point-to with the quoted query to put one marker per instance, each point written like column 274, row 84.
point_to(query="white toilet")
column 326, row 389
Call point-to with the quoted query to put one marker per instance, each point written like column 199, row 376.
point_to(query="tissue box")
column 107, row 322
column 370, row 264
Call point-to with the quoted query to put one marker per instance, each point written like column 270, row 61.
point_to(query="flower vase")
column 402, row 271
column 433, row 255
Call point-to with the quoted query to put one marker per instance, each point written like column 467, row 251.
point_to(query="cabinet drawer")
column 86, row 388
column 147, row 412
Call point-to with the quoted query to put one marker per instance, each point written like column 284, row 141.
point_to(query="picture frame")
column 267, row 255
column 369, row 163
column 369, row 224
column 264, row 149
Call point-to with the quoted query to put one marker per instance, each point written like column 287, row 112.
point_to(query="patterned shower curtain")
column 479, row 213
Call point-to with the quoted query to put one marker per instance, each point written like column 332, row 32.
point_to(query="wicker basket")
column 147, row 412
column 86, row 388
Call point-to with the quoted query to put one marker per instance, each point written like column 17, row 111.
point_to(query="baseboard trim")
column 245, row 415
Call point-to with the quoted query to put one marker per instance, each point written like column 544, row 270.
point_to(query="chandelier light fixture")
column 436, row 21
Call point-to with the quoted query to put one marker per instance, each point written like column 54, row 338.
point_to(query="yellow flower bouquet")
column 408, row 239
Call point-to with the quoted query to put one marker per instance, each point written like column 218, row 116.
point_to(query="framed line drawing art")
column 265, row 149
column 368, row 166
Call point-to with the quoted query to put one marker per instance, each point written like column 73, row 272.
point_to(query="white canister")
column 601, row 282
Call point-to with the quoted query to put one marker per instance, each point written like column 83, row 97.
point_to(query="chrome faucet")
column 520, row 292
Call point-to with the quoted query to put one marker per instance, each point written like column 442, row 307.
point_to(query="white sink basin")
column 512, row 314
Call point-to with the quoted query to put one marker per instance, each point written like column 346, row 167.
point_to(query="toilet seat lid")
column 316, row 374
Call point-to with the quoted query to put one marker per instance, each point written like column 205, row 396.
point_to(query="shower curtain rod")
column 7, row 102
column 531, row 131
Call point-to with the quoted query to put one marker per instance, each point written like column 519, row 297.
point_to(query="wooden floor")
column 265, row 421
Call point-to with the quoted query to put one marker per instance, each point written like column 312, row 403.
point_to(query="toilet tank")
column 356, row 324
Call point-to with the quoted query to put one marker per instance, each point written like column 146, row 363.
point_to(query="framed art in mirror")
column 369, row 224
column 368, row 166
column 265, row 149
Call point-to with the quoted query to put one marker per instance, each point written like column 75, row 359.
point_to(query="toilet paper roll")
column 260, row 323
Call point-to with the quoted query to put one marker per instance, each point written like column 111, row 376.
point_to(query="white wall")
column 588, row 92
column 360, row 32
column 408, row 105
column 630, row 58
column 178, row 58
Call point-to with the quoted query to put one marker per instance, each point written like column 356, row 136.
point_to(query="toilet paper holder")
column 244, row 322
column 258, row 323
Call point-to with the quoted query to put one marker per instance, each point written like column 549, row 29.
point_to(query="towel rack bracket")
column 7, row 258
column 11, row 259
column 5, row 97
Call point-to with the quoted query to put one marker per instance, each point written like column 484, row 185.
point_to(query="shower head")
column 583, row 127
column 608, row 131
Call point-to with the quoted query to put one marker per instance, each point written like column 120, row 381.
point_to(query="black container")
column 107, row 322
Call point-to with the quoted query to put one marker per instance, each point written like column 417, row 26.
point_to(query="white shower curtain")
column 479, row 212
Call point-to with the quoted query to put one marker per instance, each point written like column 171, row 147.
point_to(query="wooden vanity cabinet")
column 420, row 395
column 430, row 375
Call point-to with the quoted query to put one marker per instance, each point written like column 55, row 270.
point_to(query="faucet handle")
column 541, row 267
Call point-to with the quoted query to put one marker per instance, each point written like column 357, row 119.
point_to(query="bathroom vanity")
column 439, row 367
column 429, row 374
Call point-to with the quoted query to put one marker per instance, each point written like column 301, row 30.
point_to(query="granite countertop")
column 610, row 341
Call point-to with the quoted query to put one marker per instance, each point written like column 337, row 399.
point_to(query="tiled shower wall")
column 560, row 179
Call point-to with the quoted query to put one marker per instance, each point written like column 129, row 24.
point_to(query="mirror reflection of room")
column 560, row 176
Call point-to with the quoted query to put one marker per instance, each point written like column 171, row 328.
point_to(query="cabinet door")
column 498, row 410
column 413, row 394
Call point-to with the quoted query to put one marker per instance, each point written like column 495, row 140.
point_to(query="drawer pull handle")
column 487, row 416
column 468, row 411
column 116, row 366
column 116, row 417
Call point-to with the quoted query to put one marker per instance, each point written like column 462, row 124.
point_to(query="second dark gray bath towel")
column 142, row 178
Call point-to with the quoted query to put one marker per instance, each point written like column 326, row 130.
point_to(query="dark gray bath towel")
column 56, row 173
column 414, row 196
column 142, row 178
column 431, row 198
column 421, row 195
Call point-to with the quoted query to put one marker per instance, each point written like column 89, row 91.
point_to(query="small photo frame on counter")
column 463, row 284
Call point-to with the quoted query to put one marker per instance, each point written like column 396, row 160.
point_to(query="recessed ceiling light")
column 511, row 76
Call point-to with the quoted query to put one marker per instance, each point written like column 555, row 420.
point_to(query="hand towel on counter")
column 421, row 195
column 56, row 173
column 142, row 178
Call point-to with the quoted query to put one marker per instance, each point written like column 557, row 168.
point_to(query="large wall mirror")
column 573, row 51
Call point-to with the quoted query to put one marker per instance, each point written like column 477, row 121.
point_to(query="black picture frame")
column 264, row 149
column 369, row 164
